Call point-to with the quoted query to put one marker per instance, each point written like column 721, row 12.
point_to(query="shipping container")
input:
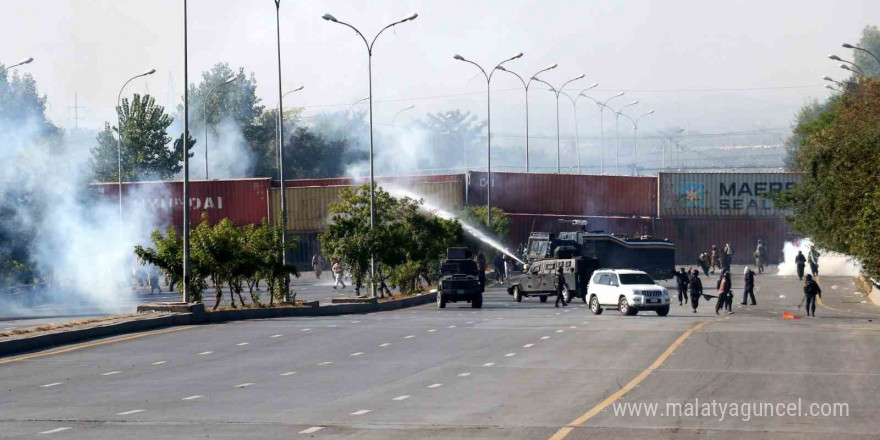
column 522, row 225
column 348, row 181
column 308, row 206
column 721, row 194
column 242, row 201
column 695, row 235
column 307, row 245
column 566, row 194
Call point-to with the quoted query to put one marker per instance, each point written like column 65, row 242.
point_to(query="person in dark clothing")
column 560, row 284
column 696, row 288
column 725, row 297
column 749, row 289
column 725, row 261
column 811, row 290
column 681, row 278
column 800, row 261
column 498, row 265
column 481, row 268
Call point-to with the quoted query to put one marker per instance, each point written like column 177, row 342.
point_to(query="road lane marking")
column 53, row 431
column 401, row 398
column 110, row 373
column 93, row 344
column 429, row 331
column 241, row 343
column 565, row 430
column 205, row 352
column 192, row 397
column 469, row 322
column 451, row 326
column 559, row 331
column 544, row 338
column 311, row 430
column 134, row 411
column 276, row 336
column 360, row 413
column 244, row 385
column 353, row 322
column 50, row 385
column 528, row 345
column 574, row 326
column 385, row 344
column 408, row 337
column 488, row 364
column 289, row 373
column 436, row 385
column 159, row 362
column 325, row 363
column 305, row 330
column 464, row 374
column 332, row 325
column 510, row 355
column 357, row 354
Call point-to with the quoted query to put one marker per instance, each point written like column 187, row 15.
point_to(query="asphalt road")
column 509, row 371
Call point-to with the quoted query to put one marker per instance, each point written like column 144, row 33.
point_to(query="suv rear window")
column 466, row 267
column 635, row 278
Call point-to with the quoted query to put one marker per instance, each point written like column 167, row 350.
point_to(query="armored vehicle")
column 460, row 279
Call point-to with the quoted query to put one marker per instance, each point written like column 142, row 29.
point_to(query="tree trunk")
column 218, row 293
column 236, row 287
column 251, row 292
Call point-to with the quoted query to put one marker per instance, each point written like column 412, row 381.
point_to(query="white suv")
column 630, row 291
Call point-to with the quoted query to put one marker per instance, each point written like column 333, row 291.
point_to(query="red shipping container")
column 568, row 194
column 695, row 235
column 398, row 180
column 242, row 201
column 522, row 225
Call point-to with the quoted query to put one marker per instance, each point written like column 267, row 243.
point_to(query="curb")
column 199, row 316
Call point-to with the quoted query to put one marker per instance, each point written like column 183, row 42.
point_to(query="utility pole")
column 75, row 108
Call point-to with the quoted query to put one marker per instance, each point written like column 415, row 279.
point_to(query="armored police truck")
column 579, row 254
column 460, row 279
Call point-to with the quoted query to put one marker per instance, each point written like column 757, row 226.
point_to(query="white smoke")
column 830, row 263
column 228, row 154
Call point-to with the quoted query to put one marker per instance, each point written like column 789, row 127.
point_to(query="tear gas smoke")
column 830, row 263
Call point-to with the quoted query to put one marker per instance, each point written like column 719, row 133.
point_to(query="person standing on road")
column 696, row 287
column 800, row 261
column 317, row 265
column 508, row 266
column 760, row 256
column 715, row 259
column 498, row 265
column 726, row 258
column 811, row 290
column 560, row 284
column 681, row 278
column 724, row 294
column 703, row 262
column 749, row 289
column 337, row 273
column 814, row 261
column 481, row 268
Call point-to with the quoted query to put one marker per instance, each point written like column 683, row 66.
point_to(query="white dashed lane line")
column 305, row 330
column 192, row 397
column 464, row 374
column 360, row 413
column 451, row 326
column 409, row 337
column 528, row 345
column 357, row 354
column 436, row 385
column 241, row 343
column 559, row 331
column 510, row 355
column 385, row 344
column 429, row 331
column 488, row 364
column 273, row 336
column 159, row 362
column 325, row 363
column 110, row 373
column 311, row 430
column 244, row 385
column 289, row 373
column 205, row 352
column 134, row 411
column 401, row 398
column 48, row 385
column 56, row 430
column 543, row 338
column 574, row 326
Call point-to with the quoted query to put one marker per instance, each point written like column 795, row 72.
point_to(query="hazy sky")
column 704, row 65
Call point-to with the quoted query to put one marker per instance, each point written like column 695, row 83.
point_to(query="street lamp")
column 358, row 102
column 526, row 87
column 602, row 105
column 187, row 294
column 205, row 112
column 119, row 138
column 279, row 120
column 830, row 87
column 369, row 45
column 557, row 92
column 488, row 128
column 635, row 123
column 850, row 46
column 844, row 66
column 828, row 78
column 20, row 63
column 671, row 138
column 577, row 133
column 401, row 111
column 617, row 134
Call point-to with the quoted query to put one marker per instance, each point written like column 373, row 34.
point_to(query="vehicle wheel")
column 624, row 308
column 477, row 302
column 517, row 294
column 594, row 305
column 664, row 311
column 566, row 294
column 441, row 300
column 543, row 298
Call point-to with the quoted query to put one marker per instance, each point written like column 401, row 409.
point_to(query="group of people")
column 148, row 276
column 318, row 263
column 801, row 261
column 503, row 265
column 690, row 286
column 716, row 260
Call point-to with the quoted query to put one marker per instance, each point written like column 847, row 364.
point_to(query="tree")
column 267, row 247
column 871, row 41
column 145, row 151
column 308, row 154
column 837, row 203
column 167, row 255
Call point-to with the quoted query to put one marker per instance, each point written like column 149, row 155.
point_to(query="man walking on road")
column 811, row 290
column 317, row 265
column 696, row 287
column 337, row 272
column 725, row 297
column 760, row 256
column 703, row 262
column 681, row 278
column 800, row 261
column 814, row 262
column 715, row 258
column 749, row 289
column 498, row 265
column 560, row 283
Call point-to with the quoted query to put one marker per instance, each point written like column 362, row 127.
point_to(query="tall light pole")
column 671, row 139
column 557, row 92
column 119, row 138
column 279, row 120
column 488, row 77
column 401, row 111
column 850, row 46
column 526, row 85
column 187, row 295
column 577, row 133
column 602, row 105
column 205, row 112
column 20, row 63
column 858, row 70
column 617, row 135
column 280, row 131
column 358, row 102
column 830, row 79
column 635, row 123
column 369, row 45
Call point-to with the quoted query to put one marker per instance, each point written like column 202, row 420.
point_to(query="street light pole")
column 858, row 70
column 399, row 112
column 617, row 134
column 635, row 123
column 488, row 128
column 205, row 112
column 20, row 63
column 369, row 46
column 577, row 133
column 557, row 92
column 279, row 119
column 187, row 295
column 526, row 85
column 280, row 131
column 850, row 46
column 119, row 138
column 602, row 106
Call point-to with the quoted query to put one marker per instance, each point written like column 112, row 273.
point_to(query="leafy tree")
column 308, row 154
column 871, row 41
column 145, row 151
column 425, row 238
column 837, row 204
column 237, row 100
column 266, row 245
column 167, row 255
column 262, row 138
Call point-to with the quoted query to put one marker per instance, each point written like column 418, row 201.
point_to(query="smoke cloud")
column 830, row 263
